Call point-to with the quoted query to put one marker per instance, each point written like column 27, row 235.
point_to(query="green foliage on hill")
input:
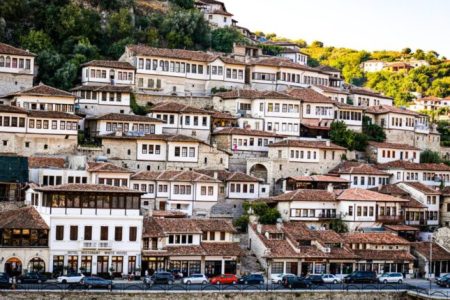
column 429, row 156
column 373, row 132
column 340, row 135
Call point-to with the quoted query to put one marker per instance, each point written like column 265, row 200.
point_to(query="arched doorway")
column 36, row 264
column 13, row 267
column 259, row 171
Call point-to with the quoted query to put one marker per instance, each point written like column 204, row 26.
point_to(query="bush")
column 242, row 222
column 429, row 156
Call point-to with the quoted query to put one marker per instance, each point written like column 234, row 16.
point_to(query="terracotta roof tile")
column 45, row 90
column 329, row 89
column 46, row 162
column 305, row 195
column 23, row 218
column 282, row 63
column 321, row 124
column 374, row 238
column 307, row 144
column 255, row 94
column 319, row 178
column 178, row 108
column 367, row 92
column 151, row 228
column 109, row 64
column 186, row 250
column 309, row 95
column 168, row 214
column 104, row 88
column 215, row 225
column 80, row 188
column 395, row 255
column 105, row 167
column 8, row 49
column 393, row 146
column 184, row 176
column 401, row 228
column 178, row 226
column 365, row 195
column 391, row 189
column 353, row 167
column 407, row 165
column 222, row 249
column 125, row 117
column 384, row 109
column 12, row 109
column 437, row 251
column 325, row 68
column 52, row 115
column 246, row 132
column 413, row 203
column 422, row 188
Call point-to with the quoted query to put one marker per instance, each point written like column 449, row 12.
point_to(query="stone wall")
column 250, row 295
column 38, row 144
column 10, row 83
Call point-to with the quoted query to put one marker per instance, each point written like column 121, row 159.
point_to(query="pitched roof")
column 151, row 228
column 105, row 167
column 178, row 226
column 437, row 251
column 125, row 117
column 215, row 225
column 104, row 88
column 384, row 109
column 178, row 108
column 329, row 89
column 223, row 115
column 12, row 109
column 22, row 218
column 401, row 228
column 227, row 176
column 376, row 238
column 321, row 124
column 309, row 95
column 109, row 64
column 82, row 188
column 413, row 203
column 185, row 176
column 222, row 249
column 391, row 189
column 305, row 195
column 353, row 167
column 168, row 214
column 46, row 162
column 307, row 144
column 422, row 188
column 254, row 94
column 8, row 49
column 393, row 146
column 319, row 178
column 52, row 115
column 45, row 90
column 155, row 137
column 367, row 92
column 246, row 132
column 407, row 165
column 282, row 63
column 356, row 194
column 395, row 255
column 325, row 68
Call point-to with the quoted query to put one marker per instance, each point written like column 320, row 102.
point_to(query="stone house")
column 361, row 175
column 386, row 152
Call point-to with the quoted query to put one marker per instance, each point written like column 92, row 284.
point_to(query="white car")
column 195, row 279
column 276, row 278
column 330, row 278
column 391, row 278
column 70, row 278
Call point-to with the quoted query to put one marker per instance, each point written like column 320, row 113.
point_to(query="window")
column 133, row 234
column 59, row 233
column 87, row 233
column 104, row 233
column 118, row 234
column 350, row 210
column 73, row 233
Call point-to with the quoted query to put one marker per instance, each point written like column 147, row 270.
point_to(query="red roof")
column 8, row 49
column 353, row 167
column 307, row 144
column 365, row 195
column 45, row 90
column 384, row 109
column 407, row 165
column 246, row 132
column 393, row 146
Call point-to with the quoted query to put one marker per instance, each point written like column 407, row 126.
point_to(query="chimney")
column 216, row 174
column 259, row 228
column 328, row 143
column 330, row 188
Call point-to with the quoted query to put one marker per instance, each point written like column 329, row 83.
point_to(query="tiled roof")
column 246, row 132
column 181, row 54
column 8, row 49
column 384, row 109
column 329, row 89
column 395, row 255
column 223, row 115
column 80, row 188
column 319, row 178
column 222, row 12
column 374, row 238
column 401, row 228
column 168, row 214
column 52, row 115
column 12, row 109
column 327, row 69
column 125, row 117
column 227, row 176
column 104, row 88
column 445, row 191
column 407, row 165
column 391, row 189
column 309, row 95
column 155, row 137
column 345, row 106
column 305, row 195
column 307, row 144
column 109, row 64
column 365, row 195
column 22, row 218
column 178, row 226
column 255, row 94
column 437, row 251
column 45, row 90
column 222, row 249
column 282, row 63
column 367, row 92
column 422, row 188
column 353, row 167
column 151, row 228
column 321, row 124
column 105, row 167
column 413, row 203
column 46, row 162
column 184, row 176
column 393, row 146
column 185, row 250
column 215, row 225
column 178, row 108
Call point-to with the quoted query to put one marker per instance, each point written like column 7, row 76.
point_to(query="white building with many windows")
column 107, row 72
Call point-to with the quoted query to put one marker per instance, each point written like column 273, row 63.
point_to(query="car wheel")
column 64, row 281
column 279, row 282
column 245, row 282
column 234, row 282
column 400, row 281
column 218, row 282
column 335, row 281
column 385, row 281
column 205, row 282
column 109, row 287
column 19, row 281
column 188, row 282
column 89, row 286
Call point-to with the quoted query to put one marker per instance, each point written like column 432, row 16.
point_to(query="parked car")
column 361, row 277
column 330, row 278
column 443, row 281
column 285, row 278
column 4, row 281
column 297, row 282
column 442, row 278
column 177, row 274
column 32, row 277
column 224, row 279
column 91, row 282
column 70, row 278
column 159, row 278
column 277, row 278
column 391, row 278
column 251, row 279
column 195, row 279
column 316, row 279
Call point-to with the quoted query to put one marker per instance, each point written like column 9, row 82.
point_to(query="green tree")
column 317, row 44
column 338, row 225
column 373, row 132
column 429, row 156
column 186, row 4
column 223, row 39
column 270, row 216
column 36, row 41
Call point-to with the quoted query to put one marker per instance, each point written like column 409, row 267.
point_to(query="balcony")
column 96, row 245
column 390, row 219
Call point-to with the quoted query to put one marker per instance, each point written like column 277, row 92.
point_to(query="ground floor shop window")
column 117, row 265
column 36, row 265
column 58, row 264
column 72, row 264
column 131, row 264
column 102, row 265
column 213, row 268
column 292, row 267
column 152, row 264
column 277, row 267
column 230, row 267
column 185, row 267
column 319, row 268
column 86, row 264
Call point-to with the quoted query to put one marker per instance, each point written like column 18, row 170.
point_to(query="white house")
column 215, row 13
column 366, row 97
column 387, row 152
column 107, row 72
column 361, row 175
column 373, row 65
column 45, row 170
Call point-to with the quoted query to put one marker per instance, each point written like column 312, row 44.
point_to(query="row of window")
column 12, row 122
column 362, row 101
column 276, row 107
column 104, row 233
column 21, row 63
column 362, row 211
column 151, row 149
column 242, row 188
column 234, row 74
column 184, row 152
column 49, row 107
column 320, row 110
column 113, row 181
column 371, row 181
column 289, row 127
column 251, row 142
column 398, row 122
column 151, row 83
column 403, row 155
column 300, row 154
column 143, row 188
column 169, row 66
column 350, row 115
column 44, row 124
column 195, row 121
column 182, row 189
column 105, row 201
column 213, row 236
column 125, row 127
column 105, row 96
column 432, row 200
column 97, row 73
column 311, row 213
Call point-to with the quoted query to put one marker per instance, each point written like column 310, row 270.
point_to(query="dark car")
column 285, row 278
column 32, row 277
column 297, row 282
column 251, row 279
column 444, row 282
column 361, row 277
column 91, row 282
column 160, row 278
column 4, row 281
column 316, row 279
column 177, row 274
